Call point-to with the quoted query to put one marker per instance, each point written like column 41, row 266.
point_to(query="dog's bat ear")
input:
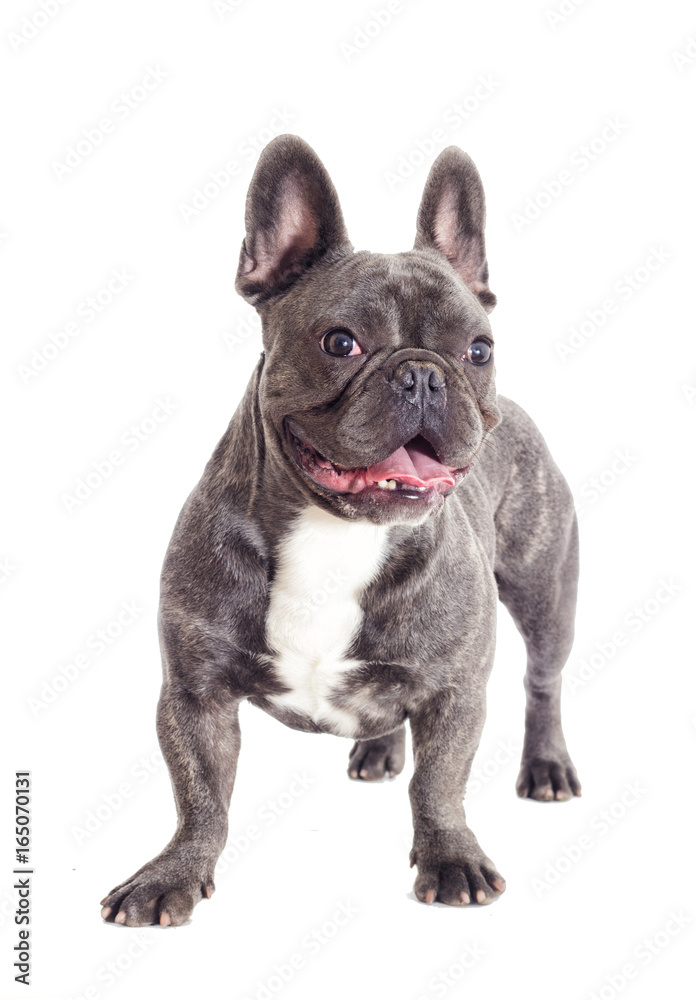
column 452, row 218
column 293, row 219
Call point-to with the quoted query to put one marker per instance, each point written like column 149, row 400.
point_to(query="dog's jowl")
column 340, row 561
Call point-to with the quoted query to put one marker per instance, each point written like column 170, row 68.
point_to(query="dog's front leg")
column 200, row 742
column 452, row 868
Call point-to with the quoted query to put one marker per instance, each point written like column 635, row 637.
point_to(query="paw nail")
column 480, row 896
column 364, row 773
column 208, row 892
column 353, row 774
column 430, row 896
column 464, row 896
column 103, row 901
column 165, row 919
column 498, row 884
column 120, row 917
column 106, row 910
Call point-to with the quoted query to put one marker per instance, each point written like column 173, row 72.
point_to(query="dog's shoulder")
column 516, row 461
column 516, row 440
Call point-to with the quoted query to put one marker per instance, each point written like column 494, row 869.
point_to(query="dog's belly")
column 323, row 566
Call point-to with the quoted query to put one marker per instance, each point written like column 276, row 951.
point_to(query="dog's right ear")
column 293, row 218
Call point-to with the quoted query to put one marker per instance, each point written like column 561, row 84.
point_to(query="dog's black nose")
column 420, row 382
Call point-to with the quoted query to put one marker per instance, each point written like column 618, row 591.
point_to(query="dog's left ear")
column 452, row 218
column 293, row 218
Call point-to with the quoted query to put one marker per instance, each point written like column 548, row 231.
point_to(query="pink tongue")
column 413, row 464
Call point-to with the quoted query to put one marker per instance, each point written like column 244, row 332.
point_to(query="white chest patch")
column 324, row 564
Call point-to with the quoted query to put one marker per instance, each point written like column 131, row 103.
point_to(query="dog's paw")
column 373, row 760
column 457, row 880
column 548, row 779
column 164, row 891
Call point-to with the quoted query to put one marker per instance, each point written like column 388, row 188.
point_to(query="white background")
column 177, row 331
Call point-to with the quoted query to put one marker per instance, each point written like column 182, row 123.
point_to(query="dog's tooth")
column 383, row 484
column 391, row 484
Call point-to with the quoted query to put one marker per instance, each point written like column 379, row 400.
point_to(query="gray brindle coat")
column 348, row 602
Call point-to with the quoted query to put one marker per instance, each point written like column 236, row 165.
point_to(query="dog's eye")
column 340, row 344
column 479, row 352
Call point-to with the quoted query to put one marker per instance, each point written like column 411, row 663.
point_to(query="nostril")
column 435, row 382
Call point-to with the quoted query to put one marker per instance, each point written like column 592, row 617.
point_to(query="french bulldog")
column 339, row 562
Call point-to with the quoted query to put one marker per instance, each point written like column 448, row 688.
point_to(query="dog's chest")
column 323, row 566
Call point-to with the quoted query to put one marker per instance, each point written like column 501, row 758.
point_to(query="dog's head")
column 378, row 385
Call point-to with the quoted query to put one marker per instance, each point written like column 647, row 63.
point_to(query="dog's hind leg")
column 372, row 760
column 537, row 571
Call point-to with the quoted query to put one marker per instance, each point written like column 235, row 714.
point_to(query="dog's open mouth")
column 413, row 470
